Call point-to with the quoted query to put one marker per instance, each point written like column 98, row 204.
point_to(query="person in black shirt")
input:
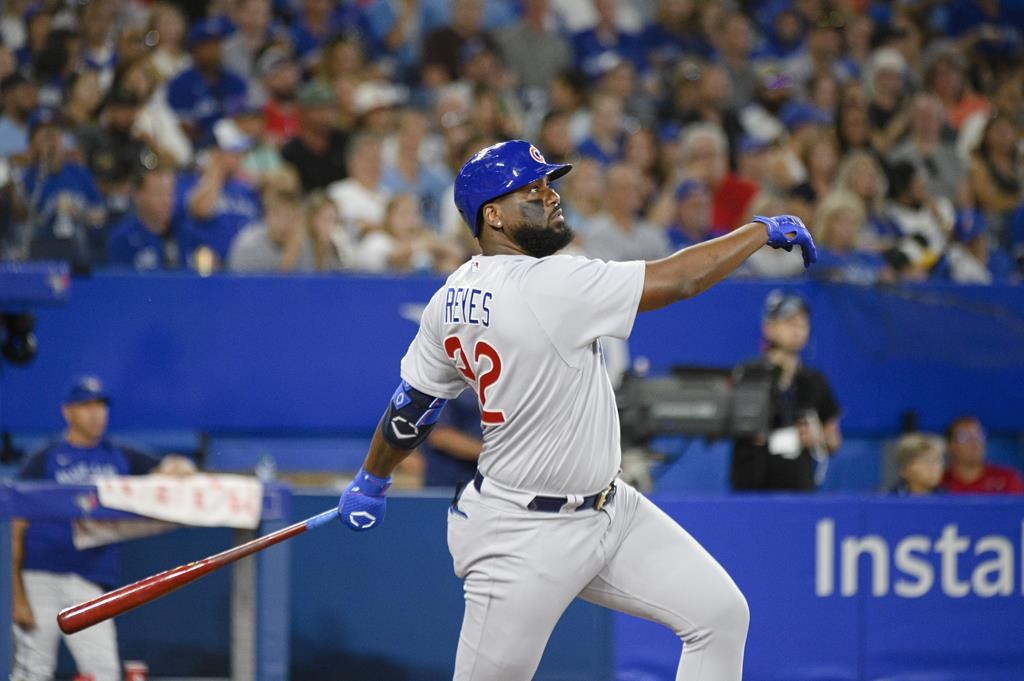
column 804, row 420
column 318, row 150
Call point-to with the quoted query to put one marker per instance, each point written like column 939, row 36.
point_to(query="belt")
column 556, row 504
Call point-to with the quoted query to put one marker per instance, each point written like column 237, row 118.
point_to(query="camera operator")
column 804, row 419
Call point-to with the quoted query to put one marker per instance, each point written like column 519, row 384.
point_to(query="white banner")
column 201, row 500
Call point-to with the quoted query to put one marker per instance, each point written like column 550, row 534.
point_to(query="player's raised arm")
column 688, row 272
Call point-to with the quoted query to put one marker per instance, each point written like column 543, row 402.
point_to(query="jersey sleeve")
column 426, row 366
column 578, row 300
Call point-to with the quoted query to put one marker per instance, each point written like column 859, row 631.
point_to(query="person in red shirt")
column 705, row 157
column 968, row 473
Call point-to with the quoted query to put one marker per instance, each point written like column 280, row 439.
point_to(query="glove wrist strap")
column 371, row 485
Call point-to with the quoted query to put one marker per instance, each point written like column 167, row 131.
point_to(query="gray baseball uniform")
column 524, row 333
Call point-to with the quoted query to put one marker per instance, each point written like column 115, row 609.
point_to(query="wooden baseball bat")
column 125, row 598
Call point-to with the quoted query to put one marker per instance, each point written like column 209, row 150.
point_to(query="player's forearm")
column 383, row 458
column 18, row 528
column 688, row 272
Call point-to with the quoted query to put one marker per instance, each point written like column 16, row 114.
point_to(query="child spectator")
column 919, row 459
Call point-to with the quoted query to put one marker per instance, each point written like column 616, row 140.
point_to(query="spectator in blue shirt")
column 405, row 171
column 840, row 229
column 691, row 222
column 674, row 34
column 63, row 208
column 38, row 21
column 993, row 27
column 785, row 37
column 607, row 138
column 319, row 21
column 150, row 236
column 205, row 93
column 596, row 46
column 218, row 203
column 49, row 573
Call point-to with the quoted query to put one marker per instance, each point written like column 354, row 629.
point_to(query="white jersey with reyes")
column 523, row 333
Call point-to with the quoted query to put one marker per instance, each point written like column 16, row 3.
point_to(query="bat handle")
column 322, row 519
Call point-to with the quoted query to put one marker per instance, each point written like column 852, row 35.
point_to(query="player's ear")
column 491, row 214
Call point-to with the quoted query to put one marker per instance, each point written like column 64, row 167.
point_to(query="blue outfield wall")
column 274, row 354
column 841, row 588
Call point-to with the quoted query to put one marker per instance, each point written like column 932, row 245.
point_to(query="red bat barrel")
column 125, row 598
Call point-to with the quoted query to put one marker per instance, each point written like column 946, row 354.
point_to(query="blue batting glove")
column 786, row 231
column 363, row 502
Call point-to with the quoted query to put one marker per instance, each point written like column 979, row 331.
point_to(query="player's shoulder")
column 559, row 264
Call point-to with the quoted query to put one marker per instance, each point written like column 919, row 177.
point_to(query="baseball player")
column 545, row 519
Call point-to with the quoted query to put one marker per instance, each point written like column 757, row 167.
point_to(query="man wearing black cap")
column 318, row 151
column 804, row 419
column 114, row 152
column 49, row 572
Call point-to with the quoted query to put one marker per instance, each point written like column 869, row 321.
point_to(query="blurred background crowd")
column 324, row 135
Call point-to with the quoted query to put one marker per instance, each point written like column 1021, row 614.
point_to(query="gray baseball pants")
column 521, row 570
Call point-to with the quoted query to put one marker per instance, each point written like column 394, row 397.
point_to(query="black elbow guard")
column 410, row 416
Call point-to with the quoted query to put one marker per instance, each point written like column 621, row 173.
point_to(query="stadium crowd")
column 318, row 135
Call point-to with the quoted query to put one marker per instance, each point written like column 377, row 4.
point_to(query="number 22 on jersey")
column 482, row 350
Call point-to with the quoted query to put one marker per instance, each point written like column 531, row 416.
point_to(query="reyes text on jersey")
column 464, row 305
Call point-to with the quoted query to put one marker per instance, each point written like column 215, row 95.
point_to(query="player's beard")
column 542, row 240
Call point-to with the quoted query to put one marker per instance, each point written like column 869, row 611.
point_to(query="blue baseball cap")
column 40, row 117
column 498, row 170
column 86, row 388
column 689, row 187
column 796, row 114
column 751, row 145
column 213, row 28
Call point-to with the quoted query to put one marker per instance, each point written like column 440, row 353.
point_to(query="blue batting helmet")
column 496, row 171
